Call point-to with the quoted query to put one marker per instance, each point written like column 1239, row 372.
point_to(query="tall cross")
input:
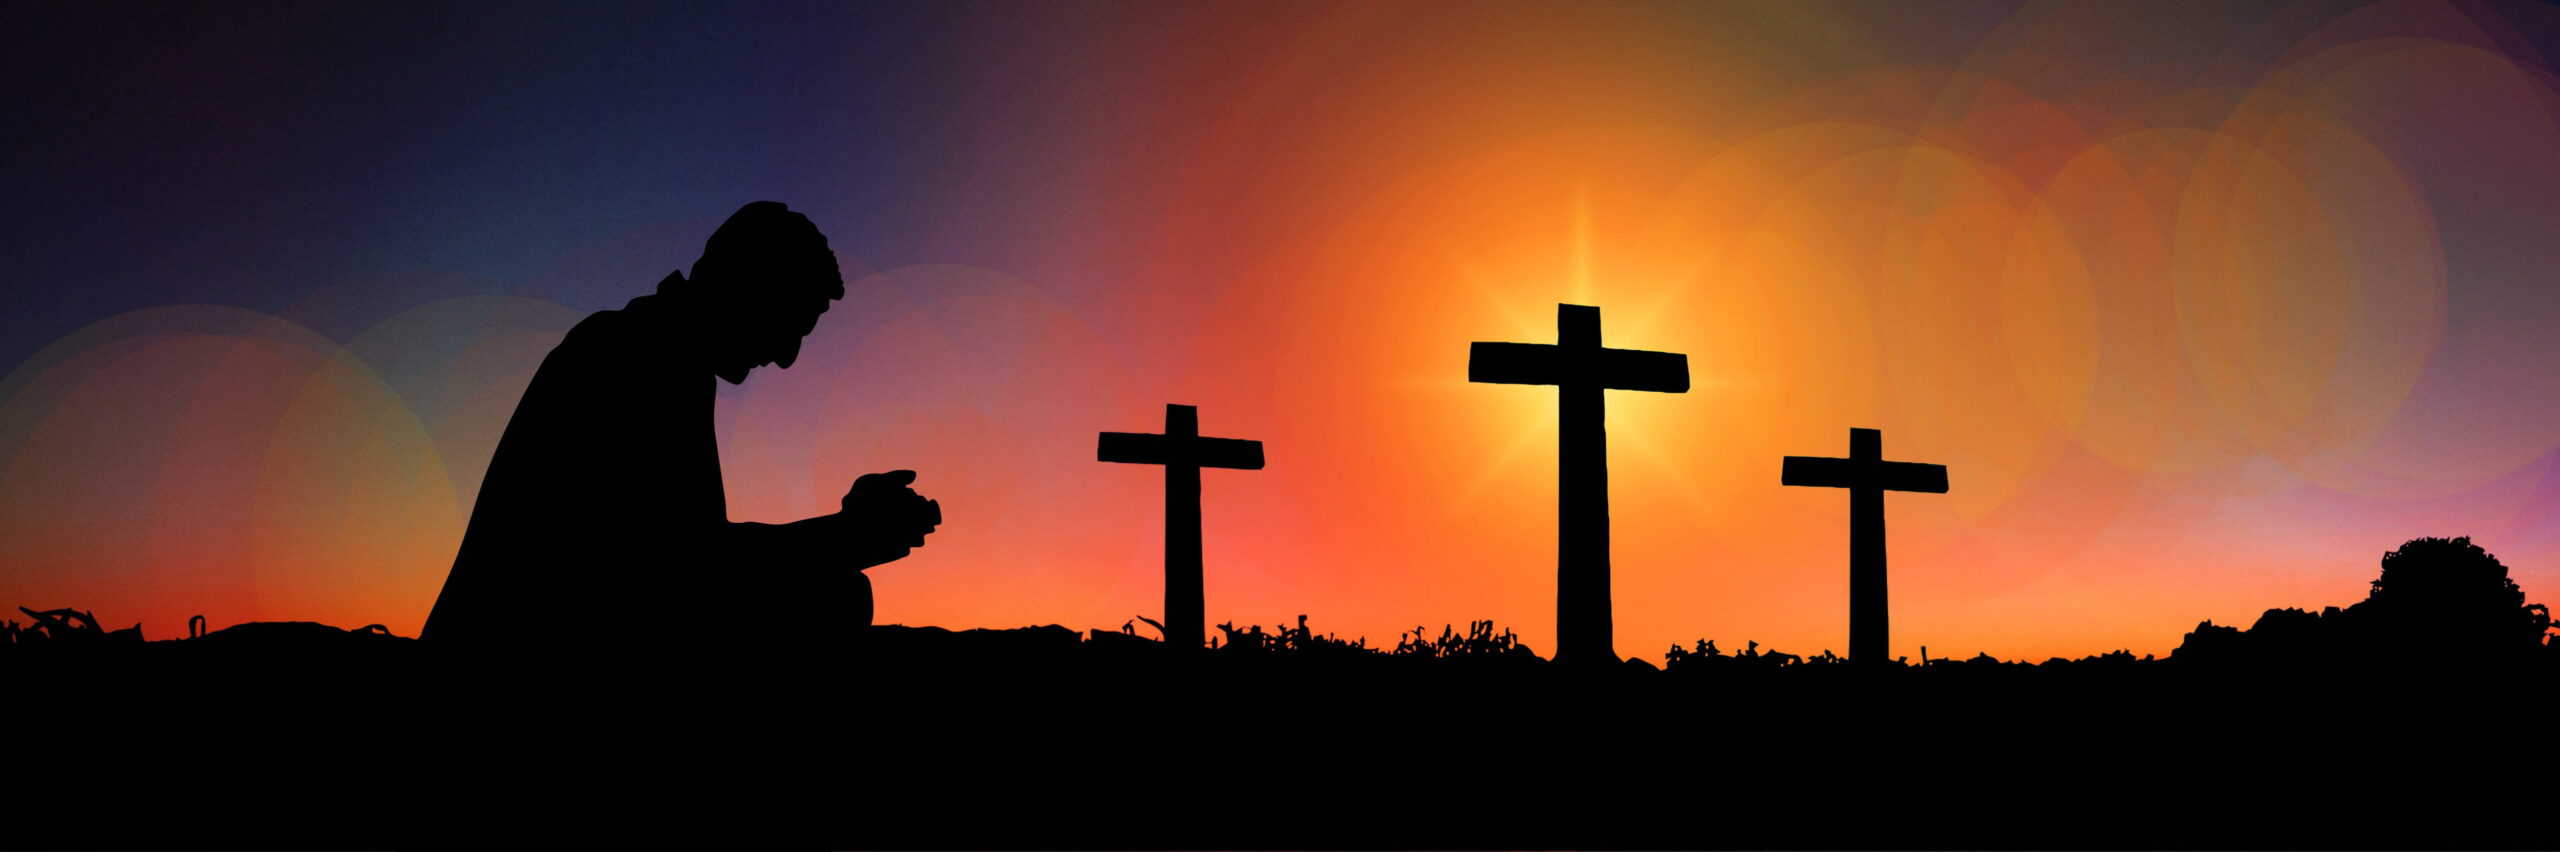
column 1183, row 453
column 1867, row 476
column 1580, row 369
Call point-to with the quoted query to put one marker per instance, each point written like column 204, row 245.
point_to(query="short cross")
column 1867, row 476
column 1183, row 453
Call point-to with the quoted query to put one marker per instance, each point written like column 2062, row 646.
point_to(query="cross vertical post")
column 1185, row 604
column 1583, row 603
column 1870, row 617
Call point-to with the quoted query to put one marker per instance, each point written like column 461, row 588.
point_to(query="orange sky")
column 2196, row 332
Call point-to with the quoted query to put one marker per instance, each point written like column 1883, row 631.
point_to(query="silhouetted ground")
column 1045, row 738
column 698, row 734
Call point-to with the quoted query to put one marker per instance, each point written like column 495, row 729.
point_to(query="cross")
column 1867, row 476
column 1183, row 453
column 1580, row 369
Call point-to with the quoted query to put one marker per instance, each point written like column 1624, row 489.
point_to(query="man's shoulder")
column 636, row 331
column 613, row 351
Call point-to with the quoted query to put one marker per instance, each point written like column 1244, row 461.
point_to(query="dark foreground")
column 1037, row 739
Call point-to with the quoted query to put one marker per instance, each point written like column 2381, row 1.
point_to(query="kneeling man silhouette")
column 603, row 511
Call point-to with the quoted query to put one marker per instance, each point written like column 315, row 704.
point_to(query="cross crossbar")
column 1553, row 364
column 1143, row 448
column 1855, row 473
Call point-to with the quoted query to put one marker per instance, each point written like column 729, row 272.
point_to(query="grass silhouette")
column 1046, row 737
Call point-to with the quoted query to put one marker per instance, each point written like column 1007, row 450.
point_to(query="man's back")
column 603, row 497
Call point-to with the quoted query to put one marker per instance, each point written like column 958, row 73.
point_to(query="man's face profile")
column 766, row 331
column 768, row 275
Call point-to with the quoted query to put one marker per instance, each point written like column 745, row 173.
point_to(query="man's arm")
column 825, row 542
column 881, row 520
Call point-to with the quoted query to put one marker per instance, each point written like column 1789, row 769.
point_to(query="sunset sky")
column 2203, row 305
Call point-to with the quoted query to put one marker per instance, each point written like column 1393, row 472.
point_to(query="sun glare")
column 1640, row 439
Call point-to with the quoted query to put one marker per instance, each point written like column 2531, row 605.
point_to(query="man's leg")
column 839, row 607
column 858, row 606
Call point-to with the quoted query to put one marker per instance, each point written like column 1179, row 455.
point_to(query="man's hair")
column 767, row 244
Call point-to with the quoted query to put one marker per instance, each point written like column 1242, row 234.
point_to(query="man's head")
column 763, row 279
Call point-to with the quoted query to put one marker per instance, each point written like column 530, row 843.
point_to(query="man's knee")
column 858, row 607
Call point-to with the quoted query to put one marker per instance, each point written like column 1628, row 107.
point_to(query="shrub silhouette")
column 1480, row 641
column 65, row 625
column 1290, row 640
column 2438, row 602
column 1706, row 655
column 2449, row 596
